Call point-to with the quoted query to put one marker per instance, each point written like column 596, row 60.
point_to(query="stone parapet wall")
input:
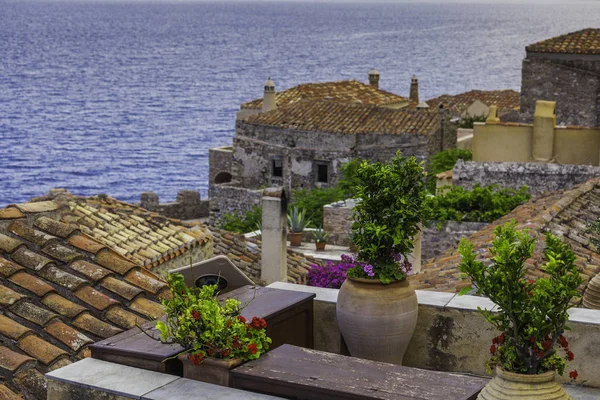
column 437, row 239
column 187, row 205
column 539, row 177
column 227, row 199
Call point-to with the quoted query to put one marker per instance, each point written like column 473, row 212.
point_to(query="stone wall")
column 337, row 221
column 539, row 177
column 219, row 164
column 228, row 199
column 187, row 205
column 573, row 84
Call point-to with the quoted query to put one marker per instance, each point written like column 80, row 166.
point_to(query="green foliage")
column 349, row 180
column 532, row 315
column 243, row 223
column 206, row 328
column 594, row 228
column 468, row 121
column 313, row 201
column 482, row 204
column 297, row 220
column 445, row 160
column 320, row 235
column 392, row 204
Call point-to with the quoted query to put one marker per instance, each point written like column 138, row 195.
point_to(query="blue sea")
column 126, row 97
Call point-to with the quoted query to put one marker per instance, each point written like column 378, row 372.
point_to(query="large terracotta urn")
column 377, row 321
column 508, row 385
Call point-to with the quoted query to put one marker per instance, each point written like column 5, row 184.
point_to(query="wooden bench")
column 298, row 373
column 289, row 316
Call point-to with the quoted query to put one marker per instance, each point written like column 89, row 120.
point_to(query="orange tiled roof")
column 327, row 116
column 585, row 41
column 61, row 288
column 565, row 213
column 340, row 91
column 506, row 100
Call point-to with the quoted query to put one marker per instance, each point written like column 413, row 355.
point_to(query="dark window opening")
column 223, row 177
column 277, row 167
column 322, row 173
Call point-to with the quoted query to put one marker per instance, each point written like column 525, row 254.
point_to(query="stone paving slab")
column 582, row 393
column 184, row 389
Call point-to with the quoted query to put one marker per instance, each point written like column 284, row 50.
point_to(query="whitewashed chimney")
column 269, row 96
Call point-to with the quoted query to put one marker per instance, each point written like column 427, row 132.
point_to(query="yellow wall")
column 502, row 143
column 576, row 146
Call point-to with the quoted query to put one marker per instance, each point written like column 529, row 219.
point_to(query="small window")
column 277, row 167
column 322, row 173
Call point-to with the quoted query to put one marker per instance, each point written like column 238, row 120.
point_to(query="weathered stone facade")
column 219, row 164
column 572, row 80
column 539, row 177
column 187, row 205
column 228, row 199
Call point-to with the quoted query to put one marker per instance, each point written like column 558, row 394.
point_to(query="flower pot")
column 295, row 238
column 377, row 321
column 210, row 370
column 508, row 385
column 353, row 248
column 320, row 245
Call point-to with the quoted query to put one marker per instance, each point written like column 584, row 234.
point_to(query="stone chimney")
column 492, row 118
column 149, row 201
column 274, row 236
column 269, row 96
column 374, row 78
column 544, row 122
column 414, row 90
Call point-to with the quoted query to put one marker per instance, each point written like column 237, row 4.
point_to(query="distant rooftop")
column 332, row 117
column 341, row 91
column 506, row 100
column 586, row 41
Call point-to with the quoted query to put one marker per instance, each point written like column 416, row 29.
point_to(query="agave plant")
column 320, row 235
column 297, row 219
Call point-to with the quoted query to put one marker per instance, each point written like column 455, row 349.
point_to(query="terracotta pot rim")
column 518, row 377
column 295, row 233
column 375, row 281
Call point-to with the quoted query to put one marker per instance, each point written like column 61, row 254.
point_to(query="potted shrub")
column 297, row 221
column 216, row 337
column 532, row 316
column 377, row 308
column 320, row 238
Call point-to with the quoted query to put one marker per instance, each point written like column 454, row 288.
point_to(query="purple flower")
column 368, row 270
column 328, row 276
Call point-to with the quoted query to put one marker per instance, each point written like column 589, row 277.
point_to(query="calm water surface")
column 122, row 98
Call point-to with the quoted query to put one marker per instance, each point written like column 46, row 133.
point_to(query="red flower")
column 196, row 315
column 530, row 293
column 532, row 340
column 241, row 319
column 196, row 359
column 570, row 356
column 563, row 341
column 263, row 323
column 210, row 351
column 547, row 344
column 252, row 348
column 542, row 355
column 493, row 349
column 573, row 374
column 501, row 338
column 255, row 324
column 225, row 352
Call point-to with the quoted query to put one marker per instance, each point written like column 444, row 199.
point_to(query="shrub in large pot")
column 377, row 308
column 532, row 314
column 215, row 336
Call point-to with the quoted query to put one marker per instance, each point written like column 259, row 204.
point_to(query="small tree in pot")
column 297, row 221
column 533, row 313
column 377, row 308
column 320, row 238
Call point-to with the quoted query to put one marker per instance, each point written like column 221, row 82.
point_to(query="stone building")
column 565, row 69
column 477, row 102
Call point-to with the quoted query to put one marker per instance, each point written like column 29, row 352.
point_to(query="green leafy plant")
column 482, row 204
column 445, row 160
column 297, row 219
column 469, row 121
column 532, row 314
column 386, row 218
column 197, row 321
column 243, row 222
column 348, row 180
column 313, row 201
column 320, row 235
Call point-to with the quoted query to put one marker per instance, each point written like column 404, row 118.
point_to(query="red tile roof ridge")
column 584, row 41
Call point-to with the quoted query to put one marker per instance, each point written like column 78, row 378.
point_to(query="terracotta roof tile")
column 32, row 382
column 8, row 296
column 85, row 243
column 64, row 307
column 585, row 41
column 62, row 278
column 12, row 329
column 31, row 283
column 61, row 253
column 343, row 118
column 31, row 312
column 506, row 100
column 114, row 262
column 147, row 307
column 146, row 280
column 61, row 362
column 23, row 230
column 121, row 288
column 342, row 91
column 9, row 244
column 7, row 267
column 94, row 326
column 72, row 338
column 96, row 299
column 55, row 227
column 10, row 361
column 30, row 259
column 40, row 349
column 7, row 394
column 91, row 271
column 10, row 213
column 37, row 206
column 124, row 318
